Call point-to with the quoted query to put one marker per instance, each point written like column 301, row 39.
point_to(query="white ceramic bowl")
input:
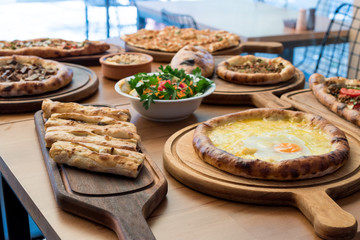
column 167, row 110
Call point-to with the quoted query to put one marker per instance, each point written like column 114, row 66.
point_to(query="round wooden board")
column 238, row 94
column 85, row 83
column 91, row 58
column 312, row 196
column 160, row 56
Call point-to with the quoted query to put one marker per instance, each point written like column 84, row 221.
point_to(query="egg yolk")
column 287, row 147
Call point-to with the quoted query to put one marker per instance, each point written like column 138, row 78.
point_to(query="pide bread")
column 99, row 139
column 190, row 57
column 254, row 70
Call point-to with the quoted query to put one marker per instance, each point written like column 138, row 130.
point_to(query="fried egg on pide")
column 270, row 140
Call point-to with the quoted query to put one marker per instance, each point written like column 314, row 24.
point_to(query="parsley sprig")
column 168, row 84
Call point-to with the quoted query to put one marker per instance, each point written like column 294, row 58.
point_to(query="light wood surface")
column 184, row 214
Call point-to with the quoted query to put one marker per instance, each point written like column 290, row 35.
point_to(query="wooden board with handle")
column 306, row 101
column 117, row 202
column 313, row 197
column 91, row 59
column 251, row 47
column 260, row 96
column 84, row 84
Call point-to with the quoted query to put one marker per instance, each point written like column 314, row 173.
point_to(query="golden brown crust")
column 108, row 160
column 21, row 88
column 190, row 57
column 118, row 129
column 299, row 168
column 317, row 83
column 49, row 51
column 172, row 39
column 49, row 107
column 93, row 138
column 259, row 78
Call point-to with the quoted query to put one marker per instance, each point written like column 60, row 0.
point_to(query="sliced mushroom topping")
column 15, row 71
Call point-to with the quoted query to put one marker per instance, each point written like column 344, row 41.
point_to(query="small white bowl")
column 167, row 110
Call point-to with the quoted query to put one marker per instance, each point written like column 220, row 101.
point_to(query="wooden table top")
column 252, row 21
column 184, row 214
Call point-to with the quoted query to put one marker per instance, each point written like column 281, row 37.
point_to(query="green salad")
column 168, row 84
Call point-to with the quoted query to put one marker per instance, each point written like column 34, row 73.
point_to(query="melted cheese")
column 260, row 138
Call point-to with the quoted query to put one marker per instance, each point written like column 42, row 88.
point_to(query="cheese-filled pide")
column 99, row 139
column 272, row 144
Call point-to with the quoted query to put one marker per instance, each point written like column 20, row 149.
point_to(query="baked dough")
column 97, row 158
column 191, row 57
column 49, row 107
column 96, row 124
column 325, row 90
column 93, row 138
column 17, row 76
column 51, row 47
column 172, row 39
column 289, row 169
column 253, row 70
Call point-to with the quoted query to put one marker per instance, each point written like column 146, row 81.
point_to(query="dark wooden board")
column 260, row 96
column 117, row 202
column 91, row 59
column 85, row 83
column 313, row 197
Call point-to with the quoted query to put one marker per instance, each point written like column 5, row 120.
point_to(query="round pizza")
column 51, row 47
column 253, row 70
column 272, row 144
column 29, row 75
column 172, row 39
column 340, row 95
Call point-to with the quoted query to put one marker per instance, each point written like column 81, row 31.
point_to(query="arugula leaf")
column 168, row 84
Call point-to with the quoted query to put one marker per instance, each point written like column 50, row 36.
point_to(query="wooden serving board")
column 117, row 202
column 268, row 47
column 91, row 59
column 313, row 197
column 85, row 83
column 306, row 101
column 260, row 96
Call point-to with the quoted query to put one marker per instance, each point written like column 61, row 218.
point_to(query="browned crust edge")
column 90, row 47
column 295, row 169
column 12, row 89
column 317, row 85
column 255, row 78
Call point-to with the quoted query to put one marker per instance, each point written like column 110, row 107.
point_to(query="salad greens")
column 168, row 84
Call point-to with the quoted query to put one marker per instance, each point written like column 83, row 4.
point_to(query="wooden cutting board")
column 91, row 59
column 266, row 47
column 117, row 202
column 85, row 83
column 313, row 197
column 260, row 96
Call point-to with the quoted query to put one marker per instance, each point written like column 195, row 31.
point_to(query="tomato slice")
column 350, row 92
column 357, row 107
